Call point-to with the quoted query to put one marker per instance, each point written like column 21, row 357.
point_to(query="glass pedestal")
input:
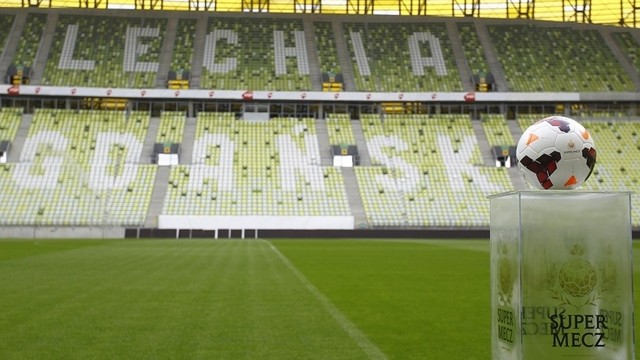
column 561, row 275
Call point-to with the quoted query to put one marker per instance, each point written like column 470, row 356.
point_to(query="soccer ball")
column 556, row 153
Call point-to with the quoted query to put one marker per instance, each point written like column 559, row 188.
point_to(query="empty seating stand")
column 182, row 56
column 6, row 21
column 30, row 40
column 79, row 168
column 171, row 127
column 542, row 58
column 402, row 57
column 427, row 172
column 616, row 139
column 264, row 168
column 255, row 54
column 10, row 119
column 103, row 51
column 496, row 130
column 629, row 46
column 340, row 131
column 472, row 48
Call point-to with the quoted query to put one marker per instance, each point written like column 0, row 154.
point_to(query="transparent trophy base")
column 561, row 275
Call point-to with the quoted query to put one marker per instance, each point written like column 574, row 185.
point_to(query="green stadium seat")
column 182, row 56
column 171, row 129
column 426, row 172
column 10, row 119
column 327, row 50
column 496, row 130
column 79, row 168
column 629, row 46
column 6, row 21
column 247, row 168
column 247, row 58
column 99, row 60
column 542, row 58
column 340, row 131
column 473, row 51
column 385, row 50
column 616, row 167
column 30, row 40
column 526, row 120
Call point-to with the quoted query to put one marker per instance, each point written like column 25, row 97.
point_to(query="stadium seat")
column 542, row 58
column 9, row 122
column 6, row 21
column 245, row 55
column 427, row 172
column 171, row 127
column 249, row 168
column 30, row 40
column 384, row 49
column 629, row 47
column 79, row 168
column 526, row 120
column 340, row 131
column 496, row 130
column 99, row 60
column 472, row 48
column 182, row 55
column 326, row 43
column 616, row 167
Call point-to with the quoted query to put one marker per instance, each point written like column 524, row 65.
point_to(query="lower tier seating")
column 255, row 168
column 429, row 172
column 79, row 168
column 52, row 194
column 202, row 190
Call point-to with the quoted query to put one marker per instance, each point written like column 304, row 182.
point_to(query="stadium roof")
column 608, row 12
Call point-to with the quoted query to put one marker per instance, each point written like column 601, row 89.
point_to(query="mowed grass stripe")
column 15, row 249
column 413, row 299
column 197, row 299
column 105, row 303
column 164, row 299
column 363, row 342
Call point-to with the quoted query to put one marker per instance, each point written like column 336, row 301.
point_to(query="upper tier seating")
column 326, row 43
column 255, row 54
column 429, row 172
column 541, row 58
column 6, row 21
column 79, row 168
column 241, row 52
column 255, row 168
column 629, row 46
column 402, row 57
column 105, row 51
column 182, row 56
column 30, row 40
column 472, row 48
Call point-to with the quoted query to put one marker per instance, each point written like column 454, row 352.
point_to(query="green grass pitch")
column 246, row 299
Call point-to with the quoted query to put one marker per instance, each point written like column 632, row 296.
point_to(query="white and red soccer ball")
column 556, row 153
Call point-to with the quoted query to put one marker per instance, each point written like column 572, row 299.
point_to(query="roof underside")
column 608, row 12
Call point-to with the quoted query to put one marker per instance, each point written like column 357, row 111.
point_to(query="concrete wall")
column 49, row 232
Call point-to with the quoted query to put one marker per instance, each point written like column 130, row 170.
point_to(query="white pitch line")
column 369, row 348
